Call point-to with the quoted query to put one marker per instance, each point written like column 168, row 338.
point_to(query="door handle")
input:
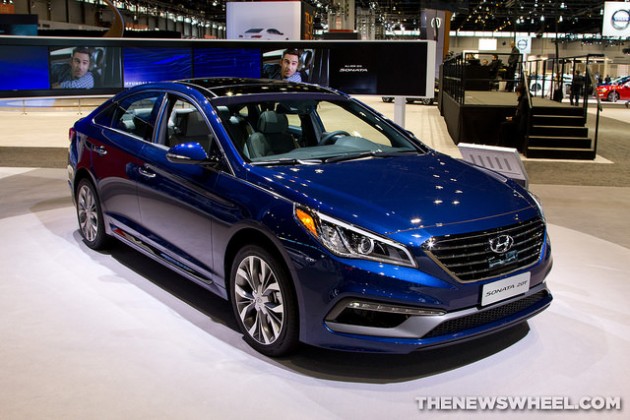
column 101, row 151
column 147, row 174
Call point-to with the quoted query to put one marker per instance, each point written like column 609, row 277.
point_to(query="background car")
column 615, row 90
column 410, row 100
column 541, row 86
column 320, row 220
column 263, row 33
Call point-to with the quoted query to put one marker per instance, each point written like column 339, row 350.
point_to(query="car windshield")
column 311, row 131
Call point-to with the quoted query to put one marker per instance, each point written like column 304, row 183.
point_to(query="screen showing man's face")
column 80, row 64
column 289, row 65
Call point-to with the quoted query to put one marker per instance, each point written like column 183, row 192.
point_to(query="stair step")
column 558, row 110
column 559, row 120
column 559, row 142
column 558, row 131
column 560, row 153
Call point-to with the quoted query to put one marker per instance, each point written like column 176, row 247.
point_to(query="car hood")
column 394, row 194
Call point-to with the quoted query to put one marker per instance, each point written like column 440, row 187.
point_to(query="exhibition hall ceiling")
column 568, row 16
column 572, row 16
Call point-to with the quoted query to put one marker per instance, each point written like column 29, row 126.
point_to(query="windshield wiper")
column 287, row 161
column 369, row 153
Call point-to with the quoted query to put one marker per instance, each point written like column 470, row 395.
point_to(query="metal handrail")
column 455, row 80
column 559, row 65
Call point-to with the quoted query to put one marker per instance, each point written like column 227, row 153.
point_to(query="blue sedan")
column 320, row 220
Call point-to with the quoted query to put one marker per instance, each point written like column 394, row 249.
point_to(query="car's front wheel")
column 90, row 216
column 264, row 302
column 613, row 96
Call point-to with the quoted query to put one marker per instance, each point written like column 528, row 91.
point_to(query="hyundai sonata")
column 319, row 219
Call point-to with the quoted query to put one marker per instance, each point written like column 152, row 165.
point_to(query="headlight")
column 349, row 241
column 538, row 204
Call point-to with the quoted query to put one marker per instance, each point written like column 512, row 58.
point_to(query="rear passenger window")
column 135, row 115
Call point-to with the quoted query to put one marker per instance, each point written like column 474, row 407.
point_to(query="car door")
column 125, row 128
column 177, row 200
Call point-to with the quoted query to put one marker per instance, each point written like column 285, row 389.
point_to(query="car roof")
column 232, row 86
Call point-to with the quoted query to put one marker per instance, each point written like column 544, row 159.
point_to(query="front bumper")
column 359, row 308
column 422, row 331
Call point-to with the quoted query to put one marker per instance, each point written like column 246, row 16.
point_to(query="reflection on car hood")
column 390, row 195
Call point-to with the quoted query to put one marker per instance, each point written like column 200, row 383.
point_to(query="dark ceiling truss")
column 570, row 16
column 535, row 16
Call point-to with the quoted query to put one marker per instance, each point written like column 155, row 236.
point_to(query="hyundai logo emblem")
column 501, row 244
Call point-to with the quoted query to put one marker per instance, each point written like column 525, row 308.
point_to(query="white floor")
column 87, row 335
column 113, row 335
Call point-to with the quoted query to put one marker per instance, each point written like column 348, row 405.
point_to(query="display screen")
column 226, row 62
column 156, row 64
column 362, row 69
column 41, row 66
column 84, row 67
column 16, row 24
column 23, row 68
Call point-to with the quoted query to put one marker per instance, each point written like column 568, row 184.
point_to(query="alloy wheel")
column 88, row 214
column 259, row 300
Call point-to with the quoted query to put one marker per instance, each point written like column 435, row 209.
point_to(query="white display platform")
column 505, row 160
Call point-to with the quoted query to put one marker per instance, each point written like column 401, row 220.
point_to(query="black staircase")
column 559, row 132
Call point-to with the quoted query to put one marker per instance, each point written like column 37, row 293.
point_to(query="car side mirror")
column 191, row 153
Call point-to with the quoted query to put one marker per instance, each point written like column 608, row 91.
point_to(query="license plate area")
column 505, row 289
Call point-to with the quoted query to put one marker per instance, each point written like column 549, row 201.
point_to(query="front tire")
column 263, row 301
column 613, row 96
column 90, row 216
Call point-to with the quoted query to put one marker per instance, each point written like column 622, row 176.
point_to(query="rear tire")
column 90, row 216
column 264, row 302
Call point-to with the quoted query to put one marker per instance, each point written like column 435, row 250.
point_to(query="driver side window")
column 186, row 124
column 336, row 119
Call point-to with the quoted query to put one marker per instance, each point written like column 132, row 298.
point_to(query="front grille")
column 477, row 319
column 469, row 257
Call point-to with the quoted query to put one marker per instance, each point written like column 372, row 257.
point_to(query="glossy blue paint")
column 193, row 217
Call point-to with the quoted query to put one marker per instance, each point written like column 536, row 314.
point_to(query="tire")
column 264, row 302
column 613, row 96
column 535, row 88
column 90, row 216
column 387, row 99
column 427, row 101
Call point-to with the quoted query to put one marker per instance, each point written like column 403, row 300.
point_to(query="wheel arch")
column 82, row 173
column 253, row 235
column 249, row 235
